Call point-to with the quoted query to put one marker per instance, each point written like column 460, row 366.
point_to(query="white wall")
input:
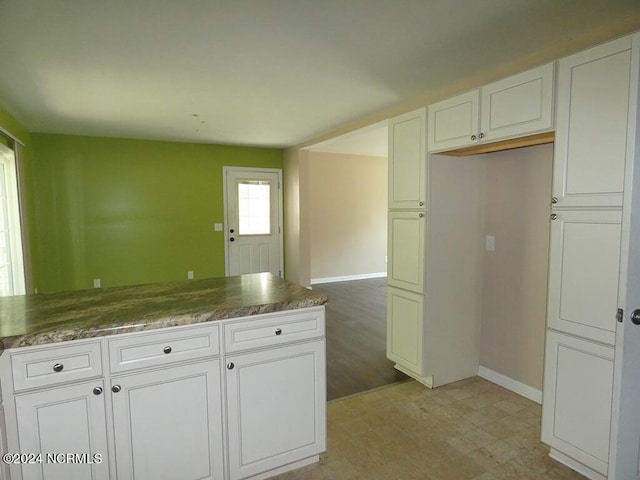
column 347, row 215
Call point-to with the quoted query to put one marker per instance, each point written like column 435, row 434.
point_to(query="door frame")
column 225, row 172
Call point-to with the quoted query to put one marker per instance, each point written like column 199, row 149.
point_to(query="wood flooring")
column 356, row 337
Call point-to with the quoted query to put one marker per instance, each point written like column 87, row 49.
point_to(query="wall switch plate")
column 96, row 283
column 490, row 243
column 190, row 275
column 217, row 227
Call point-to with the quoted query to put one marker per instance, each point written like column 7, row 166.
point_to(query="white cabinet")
column 593, row 143
column 405, row 331
column 576, row 420
column 584, row 267
column 274, row 412
column 68, row 419
column 168, row 423
column 513, row 107
column 405, row 244
column 594, row 91
column 407, row 160
column 454, row 122
column 158, row 408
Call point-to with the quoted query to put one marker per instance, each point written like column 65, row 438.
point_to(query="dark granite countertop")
column 57, row 317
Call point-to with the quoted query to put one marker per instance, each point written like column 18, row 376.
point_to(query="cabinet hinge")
column 620, row 315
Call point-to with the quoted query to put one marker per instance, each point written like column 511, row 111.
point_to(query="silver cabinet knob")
column 481, row 135
column 553, row 216
column 278, row 331
column 473, row 137
column 421, row 215
column 421, row 204
column 97, row 391
column 554, row 199
column 230, row 366
column 116, row 388
column 167, row 349
column 635, row 316
column 58, row 367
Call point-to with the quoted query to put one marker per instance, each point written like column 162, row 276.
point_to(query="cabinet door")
column 405, row 328
column 519, row 105
column 576, row 408
column 275, row 407
column 584, row 266
column 592, row 125
column 406, row 250
column 453, row 123
column 63, row 420
column 167, row 423
column 407, row 160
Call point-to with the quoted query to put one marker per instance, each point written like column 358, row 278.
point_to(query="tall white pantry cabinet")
column 593, row 154
column 435, row 234
column 434, row 229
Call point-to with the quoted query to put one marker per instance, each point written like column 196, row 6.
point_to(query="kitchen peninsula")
column 206, row 379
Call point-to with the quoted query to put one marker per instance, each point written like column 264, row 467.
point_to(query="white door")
column 253, row 220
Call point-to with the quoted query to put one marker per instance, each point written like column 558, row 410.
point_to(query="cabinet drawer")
column 162, row 347
column 273, row 329
column 50, row 366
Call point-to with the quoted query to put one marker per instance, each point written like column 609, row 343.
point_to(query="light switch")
column 490, row 243
column 217, row 227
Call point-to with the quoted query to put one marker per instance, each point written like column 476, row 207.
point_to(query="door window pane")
column 254, row 209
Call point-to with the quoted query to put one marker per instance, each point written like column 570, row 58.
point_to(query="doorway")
column 253, row 220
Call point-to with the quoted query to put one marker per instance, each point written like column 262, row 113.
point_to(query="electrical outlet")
column 217, row 227
column 190, row 275
column 96, row 283
column 490, row 243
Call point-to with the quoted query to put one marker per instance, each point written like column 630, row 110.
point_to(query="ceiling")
column 260, row 72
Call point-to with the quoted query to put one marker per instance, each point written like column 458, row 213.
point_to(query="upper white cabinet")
column 592, row 126
column 454, row 122
column 407, row 160
column 513, row 107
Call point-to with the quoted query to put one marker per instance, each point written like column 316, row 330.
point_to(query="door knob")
column 635, row 316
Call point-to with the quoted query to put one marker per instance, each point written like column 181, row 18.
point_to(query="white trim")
column 575, row 465
column 511, row 384
column 225, row 172
column 8, row 134
column 347, row 278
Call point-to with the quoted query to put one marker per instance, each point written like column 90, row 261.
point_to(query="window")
column 254, row 207
column 12, row 280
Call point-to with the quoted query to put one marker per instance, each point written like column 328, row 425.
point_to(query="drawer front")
column 50, row 366
column 273, row 329
column 149, row 349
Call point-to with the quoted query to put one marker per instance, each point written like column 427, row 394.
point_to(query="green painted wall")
column 130, row 211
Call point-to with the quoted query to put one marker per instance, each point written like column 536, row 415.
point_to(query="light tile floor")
column 469, row 430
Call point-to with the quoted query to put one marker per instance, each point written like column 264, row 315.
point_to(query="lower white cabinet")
column 576, row 415
column 66, row 420
column 144, row 406
column 405, row 330
column 168, row 423
column 272, row 413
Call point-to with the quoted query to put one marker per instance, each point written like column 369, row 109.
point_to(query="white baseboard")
column 511, row 384
column 346, row 278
